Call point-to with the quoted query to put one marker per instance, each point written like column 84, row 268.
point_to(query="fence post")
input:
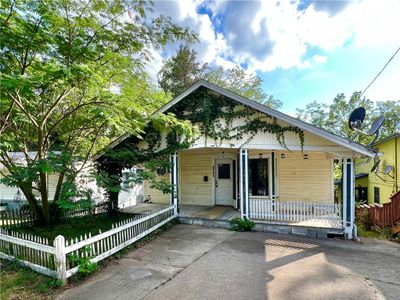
column 60, row 258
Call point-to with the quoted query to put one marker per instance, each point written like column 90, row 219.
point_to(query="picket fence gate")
column 59, row 260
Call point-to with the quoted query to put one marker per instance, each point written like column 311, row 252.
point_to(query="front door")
column 223, row 181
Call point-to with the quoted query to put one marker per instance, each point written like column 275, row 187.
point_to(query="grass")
column 76, row 226
column 378, row 233
column 17, row 282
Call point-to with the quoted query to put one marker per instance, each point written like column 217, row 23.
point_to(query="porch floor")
column 223, row 213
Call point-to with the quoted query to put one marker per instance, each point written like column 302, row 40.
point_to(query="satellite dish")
column 356, row 118
column 375, row 166
column 387, row 170
column 376, row 125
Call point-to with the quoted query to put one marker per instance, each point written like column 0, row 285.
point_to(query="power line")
column 384, row 67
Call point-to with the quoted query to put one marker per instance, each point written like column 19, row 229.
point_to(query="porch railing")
column 275, row 210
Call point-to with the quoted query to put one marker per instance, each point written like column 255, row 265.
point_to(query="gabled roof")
column 344, row 142
column 386, row 139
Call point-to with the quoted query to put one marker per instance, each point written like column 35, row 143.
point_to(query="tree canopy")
column 72, row 80
column 334, row 116
column 181, row 70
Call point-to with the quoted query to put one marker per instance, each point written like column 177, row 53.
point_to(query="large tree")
column 181, row 70
column 72, row 80
column 334, row 116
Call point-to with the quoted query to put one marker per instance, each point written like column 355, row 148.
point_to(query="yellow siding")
column 387, row 186
column 305, row 179
column 194, row 165
column 156, row 196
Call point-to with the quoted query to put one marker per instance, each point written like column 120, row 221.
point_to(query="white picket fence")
column 274, row 210
column 57, row 260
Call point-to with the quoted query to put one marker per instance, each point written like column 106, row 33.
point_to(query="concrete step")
column 315, row 232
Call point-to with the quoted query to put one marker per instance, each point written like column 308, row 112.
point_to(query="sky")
column 303, row 50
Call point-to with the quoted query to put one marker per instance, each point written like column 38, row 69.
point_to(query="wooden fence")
column 382, row 215
column 59, row 260
column 274, row 210
column 23, row 218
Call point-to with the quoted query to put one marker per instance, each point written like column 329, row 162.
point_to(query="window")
column 376, row 195
column 258, row 177
column 224, row 171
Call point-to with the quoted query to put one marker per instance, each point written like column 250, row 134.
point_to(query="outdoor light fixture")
column 283, row 156
column 260, row 155
column 305, row 156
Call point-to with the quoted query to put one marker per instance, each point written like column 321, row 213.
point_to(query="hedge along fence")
column 22, row 218
column 58, row 260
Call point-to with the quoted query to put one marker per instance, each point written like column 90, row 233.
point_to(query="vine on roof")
column 216, row 121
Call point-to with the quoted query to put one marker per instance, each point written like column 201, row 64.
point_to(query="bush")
column 238, row 224
column 365, row 221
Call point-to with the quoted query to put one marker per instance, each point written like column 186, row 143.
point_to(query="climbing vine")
column 215, row 114
column 215, row 117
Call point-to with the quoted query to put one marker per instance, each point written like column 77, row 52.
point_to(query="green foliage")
column 239, row 224
column 182, row 70
column 74, row 227
column 334, row 117
column 72, row 80
column 239, row 82
column 83, row 259
column 216, row 121
column 27, row 284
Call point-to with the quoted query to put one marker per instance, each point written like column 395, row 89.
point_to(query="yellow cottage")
column 279, row 170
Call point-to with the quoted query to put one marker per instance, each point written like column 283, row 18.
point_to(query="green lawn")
column 17, row 282
column 76, row 226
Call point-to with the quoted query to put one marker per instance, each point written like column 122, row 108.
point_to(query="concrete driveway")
column 191, row 262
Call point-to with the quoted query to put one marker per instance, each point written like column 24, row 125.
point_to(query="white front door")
column 223, row 181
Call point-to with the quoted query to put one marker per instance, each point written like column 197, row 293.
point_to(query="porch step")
column 315, row 232
column 204, row 222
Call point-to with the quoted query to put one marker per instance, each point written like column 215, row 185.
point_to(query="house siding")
column 157, row 196
column 306, row 180
column 386, row 187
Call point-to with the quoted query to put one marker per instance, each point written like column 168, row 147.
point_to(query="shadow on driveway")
column 192, row 262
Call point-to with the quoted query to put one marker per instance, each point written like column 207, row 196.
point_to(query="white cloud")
column 268, row 35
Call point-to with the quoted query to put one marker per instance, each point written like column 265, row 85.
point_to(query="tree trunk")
column 27, row 190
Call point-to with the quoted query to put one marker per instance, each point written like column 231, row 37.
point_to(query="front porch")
column 291, row 214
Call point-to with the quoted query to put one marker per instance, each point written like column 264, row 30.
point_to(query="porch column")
column 348, row 200
column 174, row 181
column 244, row 183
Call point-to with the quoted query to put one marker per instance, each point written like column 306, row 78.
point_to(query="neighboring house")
column 14, row 198
column 376, row 186
column 254, row 172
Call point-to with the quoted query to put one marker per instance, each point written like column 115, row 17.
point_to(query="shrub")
column 365, row 221
column 238, row 224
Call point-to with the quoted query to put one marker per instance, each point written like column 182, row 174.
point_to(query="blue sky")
column 303, row 50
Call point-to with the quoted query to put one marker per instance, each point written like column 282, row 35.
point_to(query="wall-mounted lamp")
column 283, row 156
column 260, row 155
column 305, row 156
